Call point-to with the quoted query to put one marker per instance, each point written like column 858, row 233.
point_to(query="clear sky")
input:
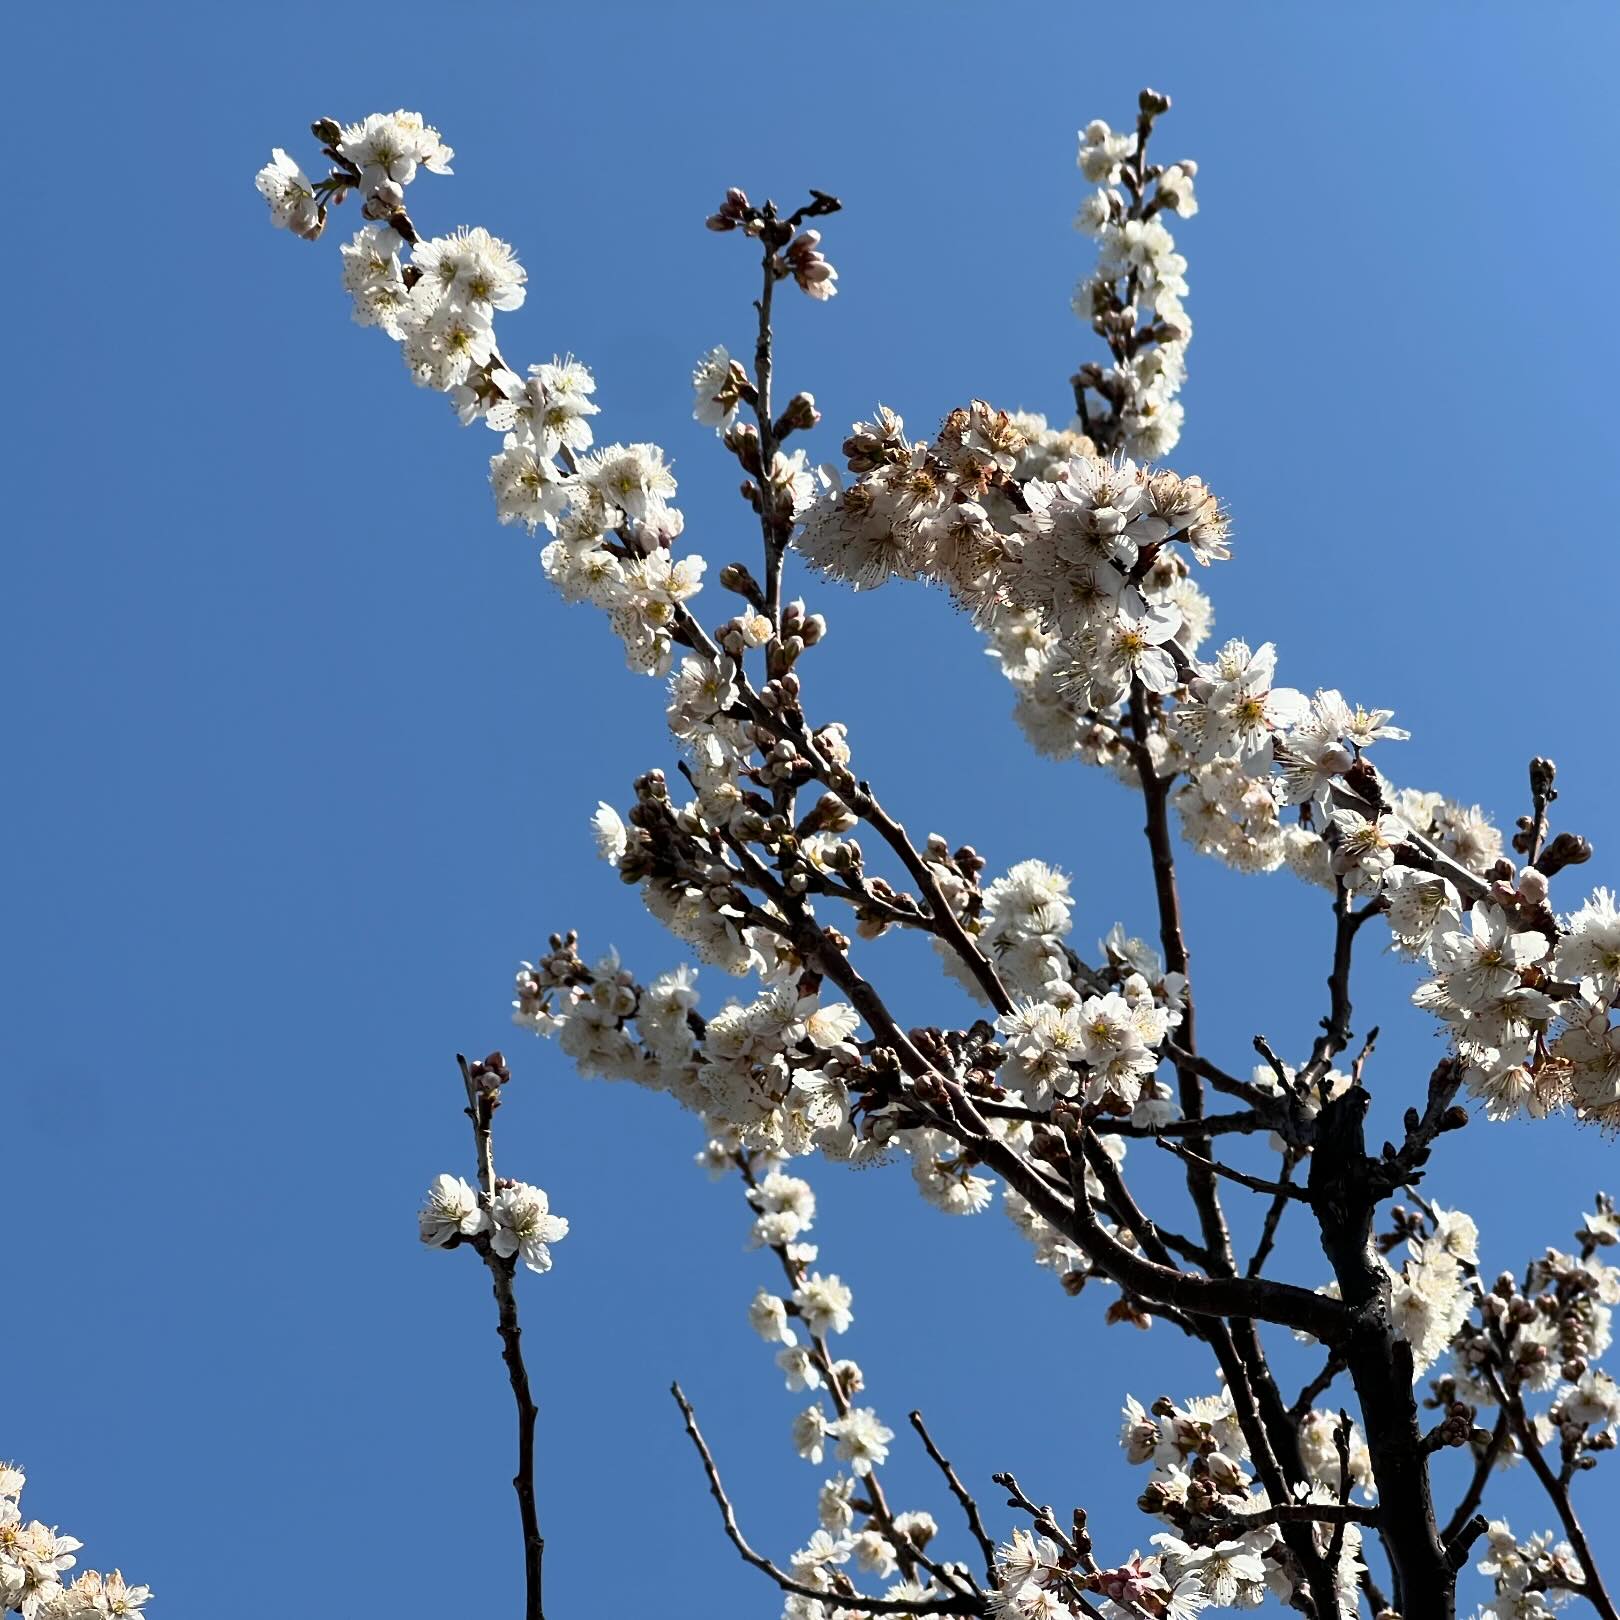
column 304, row 747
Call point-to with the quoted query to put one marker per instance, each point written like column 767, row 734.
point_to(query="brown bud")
column 490, row 1073
column 1567, row 849
column 1050, row 1147
column 801, row 414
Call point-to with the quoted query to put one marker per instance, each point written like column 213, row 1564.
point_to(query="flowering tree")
column 775, row 861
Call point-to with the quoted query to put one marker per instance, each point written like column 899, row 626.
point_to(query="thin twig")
column 953, row 1605
column 1335, row 1034
column 794, row 1271
column 1317, row 1386
column 482, row 1101
column 1278, row 1189
column 1341, row 1443
column 1279, row 1202
column 1475, row 1493
column 970, row 1508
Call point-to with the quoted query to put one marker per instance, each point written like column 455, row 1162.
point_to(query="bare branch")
column 1274, row 1213
column 970, row 1508
column 1277, row 1189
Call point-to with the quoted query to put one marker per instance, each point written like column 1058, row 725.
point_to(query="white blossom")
column 451, row 1210
column 524, row 1225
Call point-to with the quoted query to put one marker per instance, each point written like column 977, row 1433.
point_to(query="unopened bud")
column 801, row 415
column 1567, row 849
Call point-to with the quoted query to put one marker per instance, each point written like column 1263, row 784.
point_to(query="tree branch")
column 1558, row 1493
column 482, row 1101
column 970, row 1508
column 957, row 1604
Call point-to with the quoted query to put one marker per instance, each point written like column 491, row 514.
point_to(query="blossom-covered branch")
column 1083, row 571
column 34, row 1559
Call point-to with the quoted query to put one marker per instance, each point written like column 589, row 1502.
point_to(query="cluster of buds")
column 790, row 251
column 809, row 267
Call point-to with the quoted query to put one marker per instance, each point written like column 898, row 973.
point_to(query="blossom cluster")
column 35, row 1558
column 1224, row 1547
column 610, row 509
column 517, row 1222
column 1540, row 1335
column 786, row 1074
column 1133, row 299
column 856, row 1525
column 1090, row 606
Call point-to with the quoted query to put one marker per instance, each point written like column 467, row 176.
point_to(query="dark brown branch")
column 1335, row 1513
column 1475, row 1493
column 1457, row 1547
column 1244, row 1090
column 1542, row 793
column 1243, row 1124
column 1341, row 1444
column 1335, row 1034
column 1118, row 1194
column 958, row 1604
column 1281, row 1303
column 775, row 531
column 970, row 1508
column 1374, row 1593
column 1238, row 1346
column 482, row 1101
column 1274, row 1213
column 945, row 922
column 1557, row 1492
column 1421, row 1130
column 1277, row 1189
column 1041, row 1517
column 1277, row 1066
column 1319, row 1385
column 1345, row 1192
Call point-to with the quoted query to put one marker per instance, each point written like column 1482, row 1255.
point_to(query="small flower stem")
column 482, row 1102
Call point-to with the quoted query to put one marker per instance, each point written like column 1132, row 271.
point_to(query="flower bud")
column 1567, row 849
column 801, row 414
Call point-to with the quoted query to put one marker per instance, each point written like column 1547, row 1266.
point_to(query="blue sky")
column 303, row 746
